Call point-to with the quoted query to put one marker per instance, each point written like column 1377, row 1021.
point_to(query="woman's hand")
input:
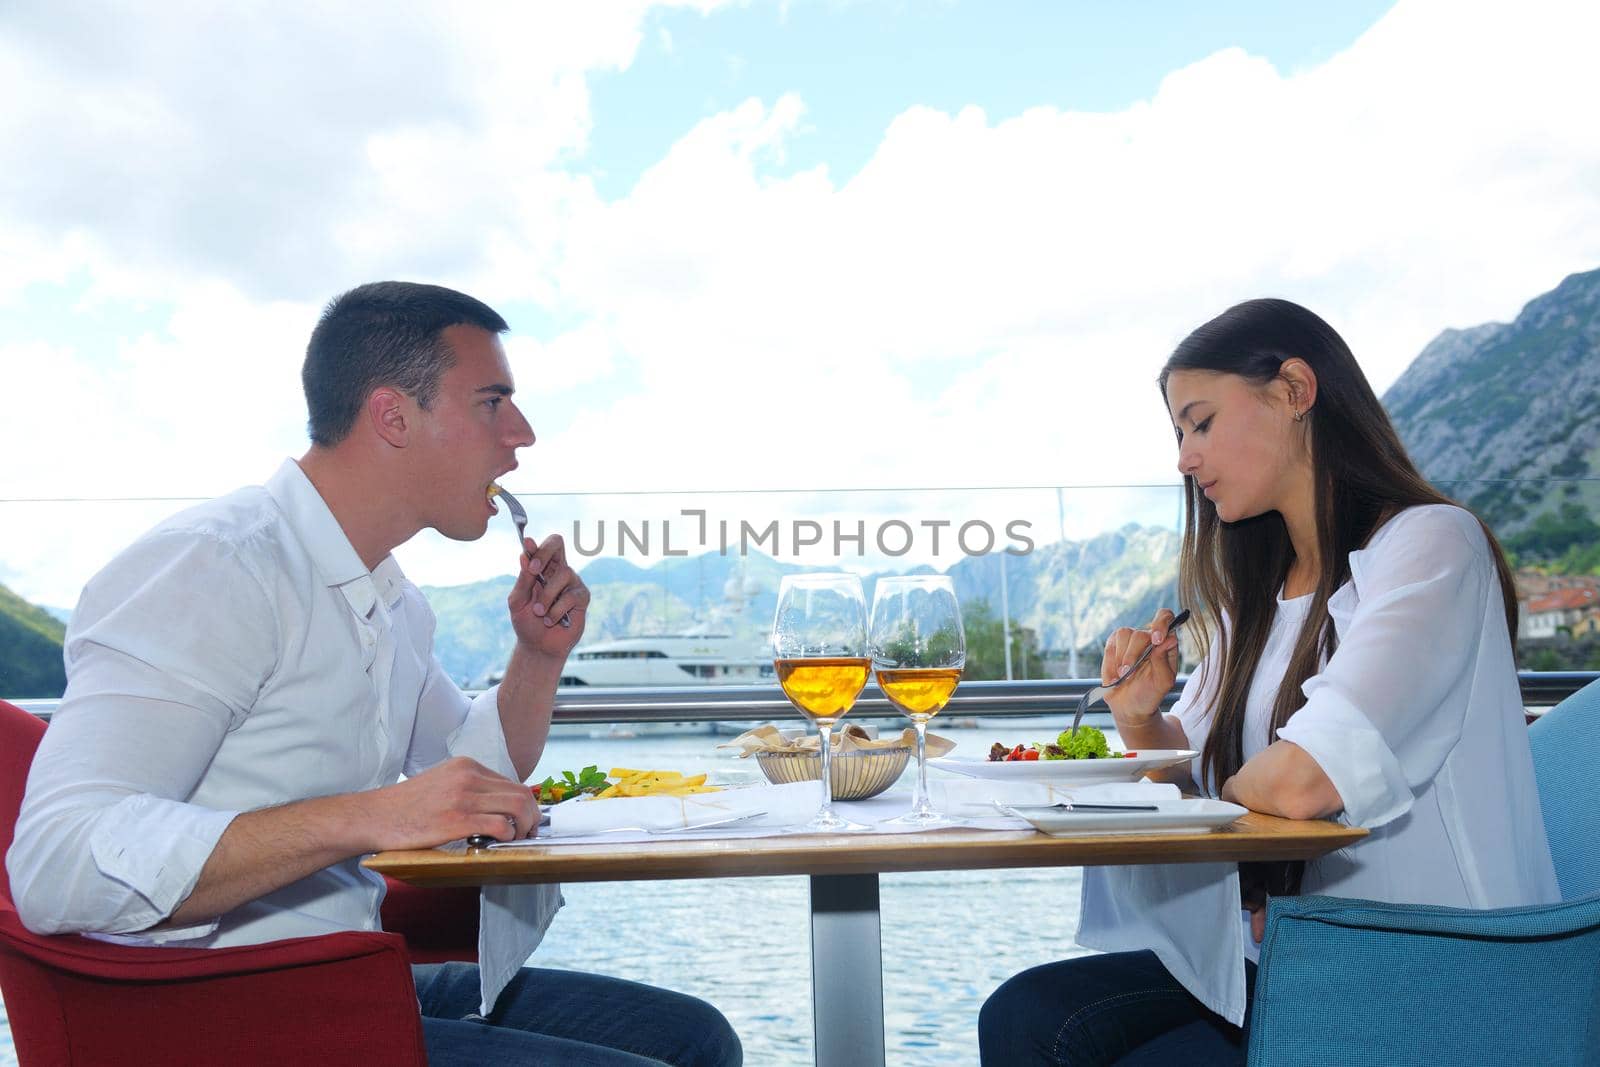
column 1260, row 881
column 1138, row 700
column 1254, row 900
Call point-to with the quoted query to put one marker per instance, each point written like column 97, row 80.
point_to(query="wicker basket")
column 857, row 774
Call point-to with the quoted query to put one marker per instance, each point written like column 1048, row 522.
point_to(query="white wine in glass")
column 819, row 650
column 918, row 650
column 823, row 688
column 919, row 691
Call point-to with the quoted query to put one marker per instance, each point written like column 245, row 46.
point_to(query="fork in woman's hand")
column 520, row 516
column 1099, row 691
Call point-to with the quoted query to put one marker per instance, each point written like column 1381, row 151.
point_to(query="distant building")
column 1575, row 608
column 1589, row 624
column 1532, row 584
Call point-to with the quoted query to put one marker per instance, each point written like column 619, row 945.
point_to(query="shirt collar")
column 388, row 579
column 313, row 524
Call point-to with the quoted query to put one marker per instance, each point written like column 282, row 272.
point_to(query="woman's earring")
column 1298, row 415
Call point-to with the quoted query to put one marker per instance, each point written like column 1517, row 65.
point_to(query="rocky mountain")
column 1074, row 593
column 1506, row 416
column 30, row 649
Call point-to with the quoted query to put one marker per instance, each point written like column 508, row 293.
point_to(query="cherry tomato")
column 1030, row 754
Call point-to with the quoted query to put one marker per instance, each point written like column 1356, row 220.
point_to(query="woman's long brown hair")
column 1363, row 477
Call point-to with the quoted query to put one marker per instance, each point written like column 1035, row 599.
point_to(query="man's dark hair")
column 382, row 333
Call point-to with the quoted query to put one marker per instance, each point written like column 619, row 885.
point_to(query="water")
column 949, row 938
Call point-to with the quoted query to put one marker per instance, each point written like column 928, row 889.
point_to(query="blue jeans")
column 570, row 1018
column 1121, row 1008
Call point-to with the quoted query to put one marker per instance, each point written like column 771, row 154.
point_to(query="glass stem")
column 922, row 804
column 827, row 775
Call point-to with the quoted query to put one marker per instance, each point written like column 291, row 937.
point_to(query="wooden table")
column 846, row 957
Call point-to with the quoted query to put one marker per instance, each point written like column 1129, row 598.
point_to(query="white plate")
column 1068, row 770
column 1173, row 816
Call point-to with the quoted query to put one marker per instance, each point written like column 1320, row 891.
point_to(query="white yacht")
column 671, row 659
column 720, row 649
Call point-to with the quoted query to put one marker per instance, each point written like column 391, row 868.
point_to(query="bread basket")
column 857, row 773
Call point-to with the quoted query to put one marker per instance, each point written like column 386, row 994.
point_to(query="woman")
column 1355, row 634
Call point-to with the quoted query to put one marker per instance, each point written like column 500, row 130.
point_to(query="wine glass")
column 918, row 650
column 819, row 649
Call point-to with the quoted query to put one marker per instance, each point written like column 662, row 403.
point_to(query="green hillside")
column 30, row 649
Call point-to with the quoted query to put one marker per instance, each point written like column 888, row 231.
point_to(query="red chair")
column 71, row 1000
column 438, row 924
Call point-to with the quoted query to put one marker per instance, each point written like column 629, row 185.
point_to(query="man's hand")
column 457, row 798
column 264, row 850
column 547, row 590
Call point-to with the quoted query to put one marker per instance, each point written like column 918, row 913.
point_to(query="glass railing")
column 633, row 705
column 1043, row 574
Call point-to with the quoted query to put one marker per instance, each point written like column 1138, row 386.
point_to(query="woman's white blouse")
column 1416, row 719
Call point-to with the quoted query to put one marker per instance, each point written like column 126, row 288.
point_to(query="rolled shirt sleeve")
column 449, row 723
column 482, row 736
column 106, row 839
column 159, row 879
column 1385, row 712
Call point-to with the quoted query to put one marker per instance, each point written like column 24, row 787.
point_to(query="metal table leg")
column 846, row 970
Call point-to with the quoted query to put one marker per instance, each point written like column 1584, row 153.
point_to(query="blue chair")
column 1369, row 984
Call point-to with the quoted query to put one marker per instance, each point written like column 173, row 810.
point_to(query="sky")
column 927, row 246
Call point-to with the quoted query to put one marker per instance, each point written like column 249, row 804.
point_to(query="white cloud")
column 236, row 168
column 290, row 147
column 1438, row 173
column 984, row 303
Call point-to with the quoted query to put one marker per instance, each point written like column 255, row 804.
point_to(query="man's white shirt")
column 236, row 657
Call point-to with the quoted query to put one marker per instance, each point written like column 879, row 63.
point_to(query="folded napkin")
column 784, row 805
column 512, row 920
column 1187, row 913
column 976, row 797
column 769, row 738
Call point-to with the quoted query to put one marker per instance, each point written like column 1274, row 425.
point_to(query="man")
column 247, row 682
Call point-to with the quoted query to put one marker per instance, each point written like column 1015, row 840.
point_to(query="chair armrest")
column 344, row 997
column 1362, row 983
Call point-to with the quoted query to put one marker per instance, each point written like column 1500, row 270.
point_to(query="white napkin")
column 512, row 920
column 784, row 805
column 1187, row 913
column 975, row 798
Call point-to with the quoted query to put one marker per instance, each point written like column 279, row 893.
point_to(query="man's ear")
column 388, row 410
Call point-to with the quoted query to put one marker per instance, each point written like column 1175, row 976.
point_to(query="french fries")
column 632, row 783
